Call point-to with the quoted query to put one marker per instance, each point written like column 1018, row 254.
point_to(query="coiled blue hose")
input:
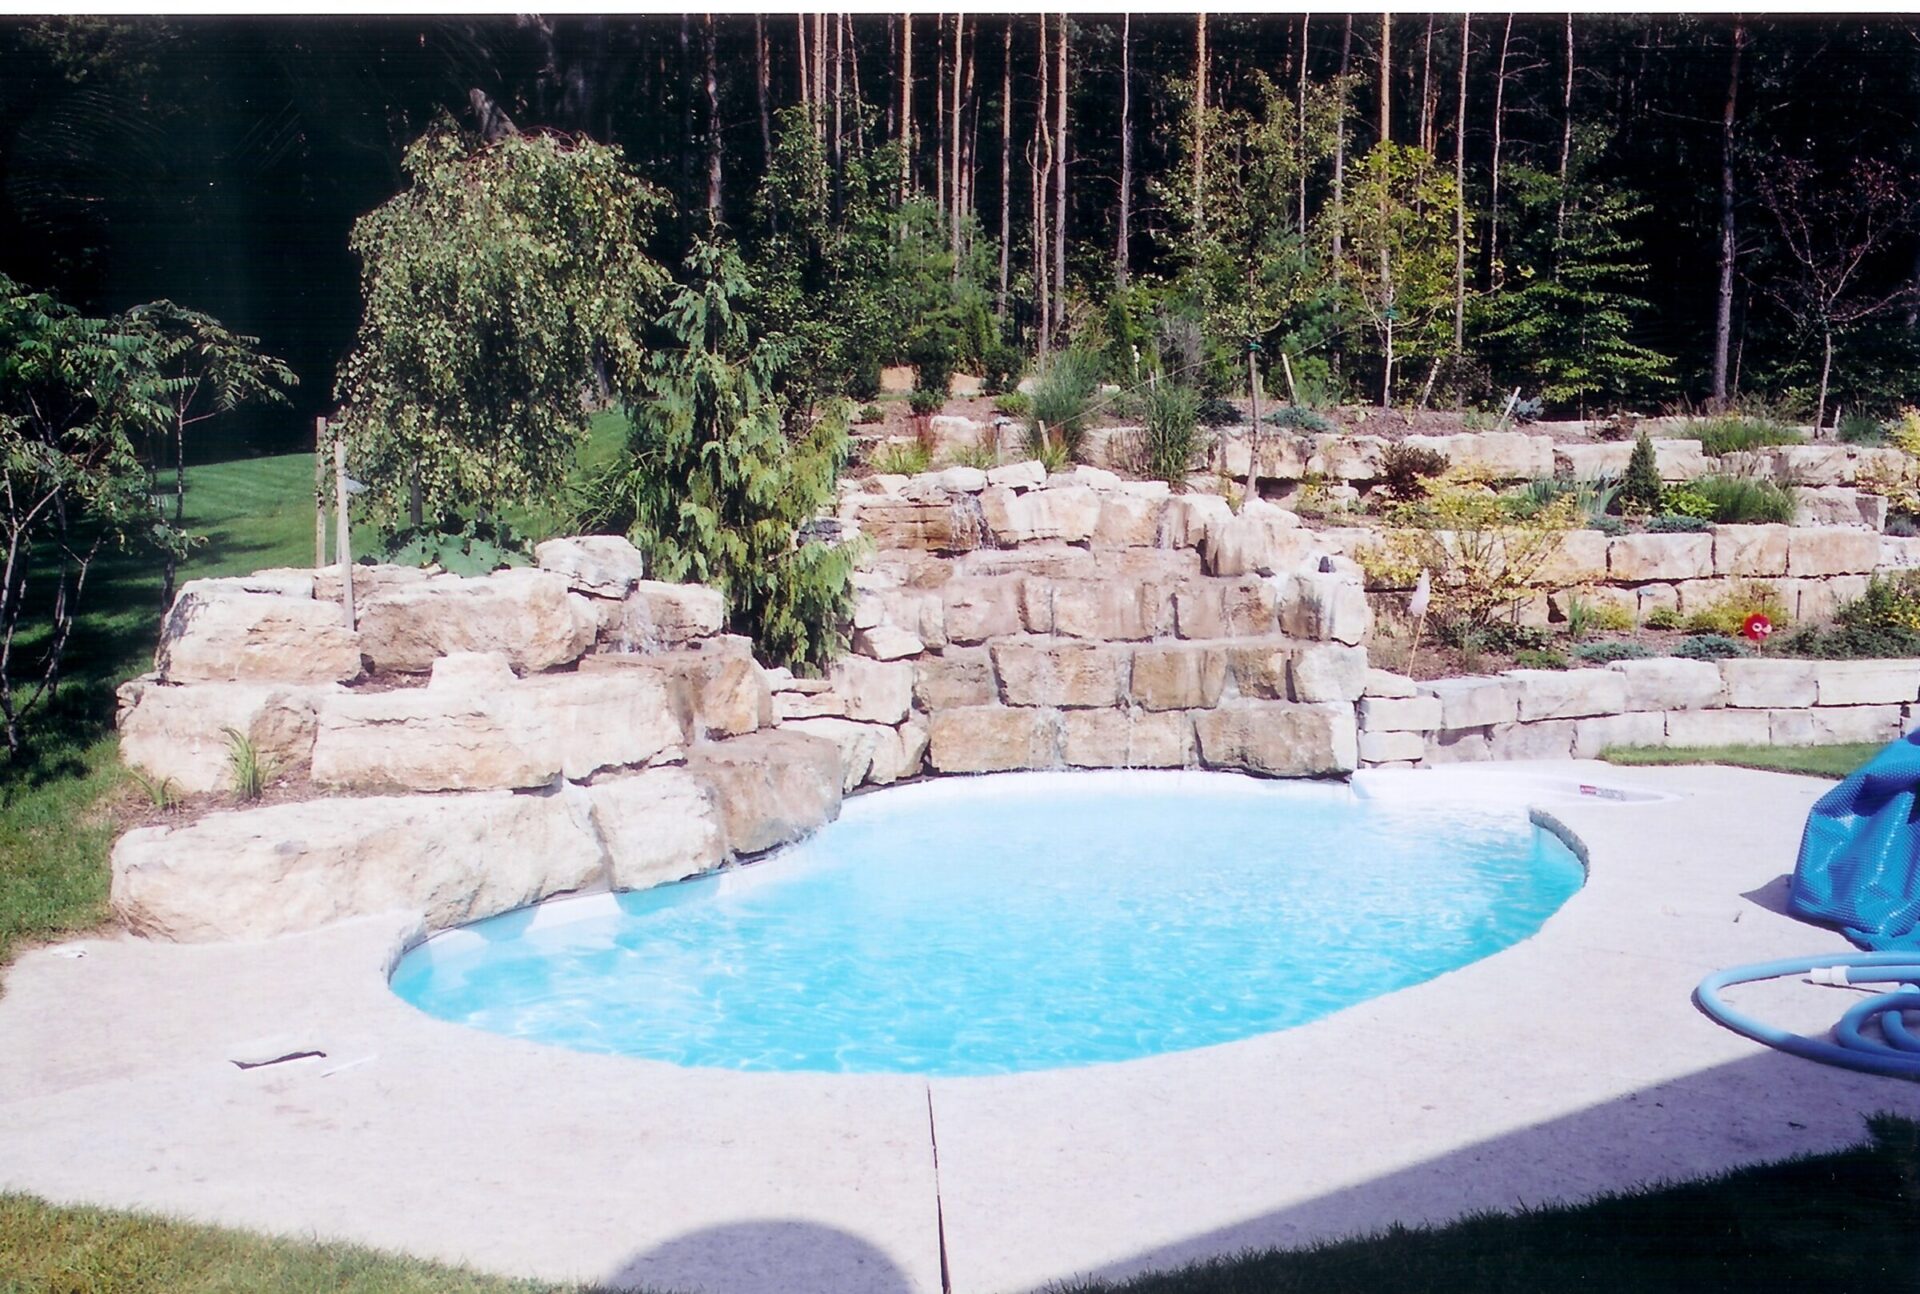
column 1893, row 1050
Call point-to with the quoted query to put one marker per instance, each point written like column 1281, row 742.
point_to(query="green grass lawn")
column 1848, row 1221
column 1814, row 761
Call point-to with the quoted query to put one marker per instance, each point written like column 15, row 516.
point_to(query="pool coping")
column 1568, row 1064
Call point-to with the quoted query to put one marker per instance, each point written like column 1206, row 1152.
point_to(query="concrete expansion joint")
column 939, row 1208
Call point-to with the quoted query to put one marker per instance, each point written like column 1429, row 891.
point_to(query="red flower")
column 1757, row 627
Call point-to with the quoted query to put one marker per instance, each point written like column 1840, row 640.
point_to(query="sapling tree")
column 1640, row 488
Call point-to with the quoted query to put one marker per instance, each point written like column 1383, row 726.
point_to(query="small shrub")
column 1405, row 469
column 1000, row 368
column 1905, row 432
column 1609, row 526
column 460, row 547
column 1640, row 489
column 1849, row 642
column 251, row 771
column 1053, row 456
column 1062, row 401
column 1172, row 435
column 1740, row 500
column 1014, row 404
column 1733, row 432
column 1216, row 412
column 901, row 458
column 1663, row 618
column 864, row 382
column 1299, row 418
column 980, row 456
column 926, row 403
column 1861, row 428
column 160, row 792
column 870, row 413
column 1686, row 501
column 1477, row 420
column 1710, row 647
column 1539, row 658
column 932, row 361
column 1609, row 652
column 1580, row 617
column 1890, row 602
column 1728, row 613
column 1670, row 523
column 1498, row 636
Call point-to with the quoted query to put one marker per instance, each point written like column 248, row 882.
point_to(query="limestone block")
column 605, row 566
column 921, row 612
column 1567, row 694
column 1278, row 738
column 1678, row 459
column 220, row 635
column 179, row 733
column 1188, row 517
column 1750, row 550
column 959, row 480
column 992, row 739
column 1506, row 455
column 1327, row 672
column 1657, row 597
column 887, row 642
column 284, row 581
column 1541, row 739
column 658, row 825
column 1831, row 725
column 1124, row 610
column 952, row 430
column 659, row 614
column 1718, row 728
column 1831, row 550
column 875, row 691
column 904, row 756
column 1820, row 599
column 1592, row 736
column 1178, row 676
column 714, row 687
column 772, row 786
column 1900, row 553
column 1129, row 521
column 1059, row 672
column 936, row 525
column 1838, row 505
column 1345, row 457
column 855, row 743
column 1671, row 683
column 1126, row 739
column 1560, row 603
column 1400, row 714
column 367, row 580
column 1634, row 558
column 980, row 608
column 1759, row 684
column 262, row 872
column 528, row 615
column 1081, row 474
column 1036, row 604
column 1225, row 608
column 1866, row 682
column 1581, row 558
column 1017, row 476
column 1812, row 464
column 809, row 705
column 1391, row 747
column 959, row 676
column 1326, row 608
column 1592, row 462
column 1474, row 702
column 1460, row 746
column 1380, row 682
column 1259, row 669
column 1069, row 513
column 1263, row 539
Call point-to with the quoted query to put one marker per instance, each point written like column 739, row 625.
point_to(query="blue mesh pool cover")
column 1859, row 865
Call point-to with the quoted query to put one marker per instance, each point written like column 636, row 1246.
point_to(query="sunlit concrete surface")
column 1566, row 1065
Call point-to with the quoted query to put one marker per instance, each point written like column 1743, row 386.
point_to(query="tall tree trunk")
column 1199, row 121
column 954, row 195
column 839, row 99
column 1340, row 183
column 1826, row 372
column 1300, row 134
column 820, row 77
column 970, row 152
column 1493, row 199
column 1460, row 192
column 1006, row 163
column 1060, row 185
column 1427, row 132
column 1043, row 168
column 906, row 106
column 1566, row 150
column 1723, row 307
column 760, row 89
column 893, row 60
column 1386, row 76
column 1386, row 257
column 940, row 116
column 711, row 59
column 853, row 73
column 803, row 66
column 1121, row 262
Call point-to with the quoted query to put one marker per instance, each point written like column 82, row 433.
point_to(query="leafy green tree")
column 505, row 283
column 77, row 396
column 722, row 475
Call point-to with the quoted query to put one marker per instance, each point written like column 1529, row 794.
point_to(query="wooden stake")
column 319, row 493
column 341, row 542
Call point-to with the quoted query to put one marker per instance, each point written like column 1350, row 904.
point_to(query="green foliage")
column 1889, row 602
column 721, row 474
column 1062, row 401
column 1591, row 499
column 1405, row 470
column 870, row 413
column 1858, row 427
column 982, row 456
column 1299, row 418
column 1610, row 526
column 1172, row 437
column 1728, row 613
column 1608, row 652
column 1663, row 618
column 1740, row 500
column 925, row 402
column 1014, row 404
column 1849, row 642
column 1710, row 647
column 901, row 458
column 1539, row 658
column 497, row 287
column 1676, row 523
column 161, row 792
column 1687, row 501
column 1482, row 553
column 1730, row 433
column 460, row 546
column 1216, row 412
column 1640, row 488
column 1000, row 368
column 250, row 770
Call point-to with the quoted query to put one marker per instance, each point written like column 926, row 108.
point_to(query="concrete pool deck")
column 1569, row 1064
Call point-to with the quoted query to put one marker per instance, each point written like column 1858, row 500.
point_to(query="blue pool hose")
column 1894, row 1050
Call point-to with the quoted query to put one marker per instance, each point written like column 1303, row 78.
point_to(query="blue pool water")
column 1018, row 922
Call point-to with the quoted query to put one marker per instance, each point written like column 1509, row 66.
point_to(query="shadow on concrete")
column 767, row 1256
column 1773, row 896
column 1761, row 1109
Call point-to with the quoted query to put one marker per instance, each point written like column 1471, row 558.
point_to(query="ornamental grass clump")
column 1741, row 500
column 1172, row 437
column 1062, row 402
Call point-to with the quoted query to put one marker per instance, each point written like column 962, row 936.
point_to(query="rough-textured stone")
column 959, row 676
column 604, row 565
column 1866, row 682
column 1059, row 672
column 1129, row 521
column 1018, row 476
column 221, row 635
column 1380, row 682
column 1581, row 558
column 982, row 608
column 180, row 734
column 1750, row 550
column 1278, row 738
column 1838, row 505
column 714, row 686
column 1474, row 702
column 258, row 873
column 855, row 742
column 1544, row 739
column 959, row 480
column 657, row 825
column 1391, row 747
column 1821, row 599
column 1634, row 558
column 1831, row 550
column 875, row 692
column 1260, row 669
column 528, row 615
column 887, row 642
column 1178, row 676
column 773, row 786
column 1400, row 714
column 1657, row 597
column 1325, row 607
column 1567, row 694
column 1347, row 457
column 920, row 612
column 1760, row 684
column 1718, row 728
column 656, row 614
column 1830, row 725
column 902, row 754
column 1670, row 683
column 926, row 525
column 1242, row 608
column 1070, row 513
column 1189, row 517
column 1675, row 459
column 1124, row 610
column 992, row 739
column 1460, row 746
column 1592, row 736
column 1126, row 739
